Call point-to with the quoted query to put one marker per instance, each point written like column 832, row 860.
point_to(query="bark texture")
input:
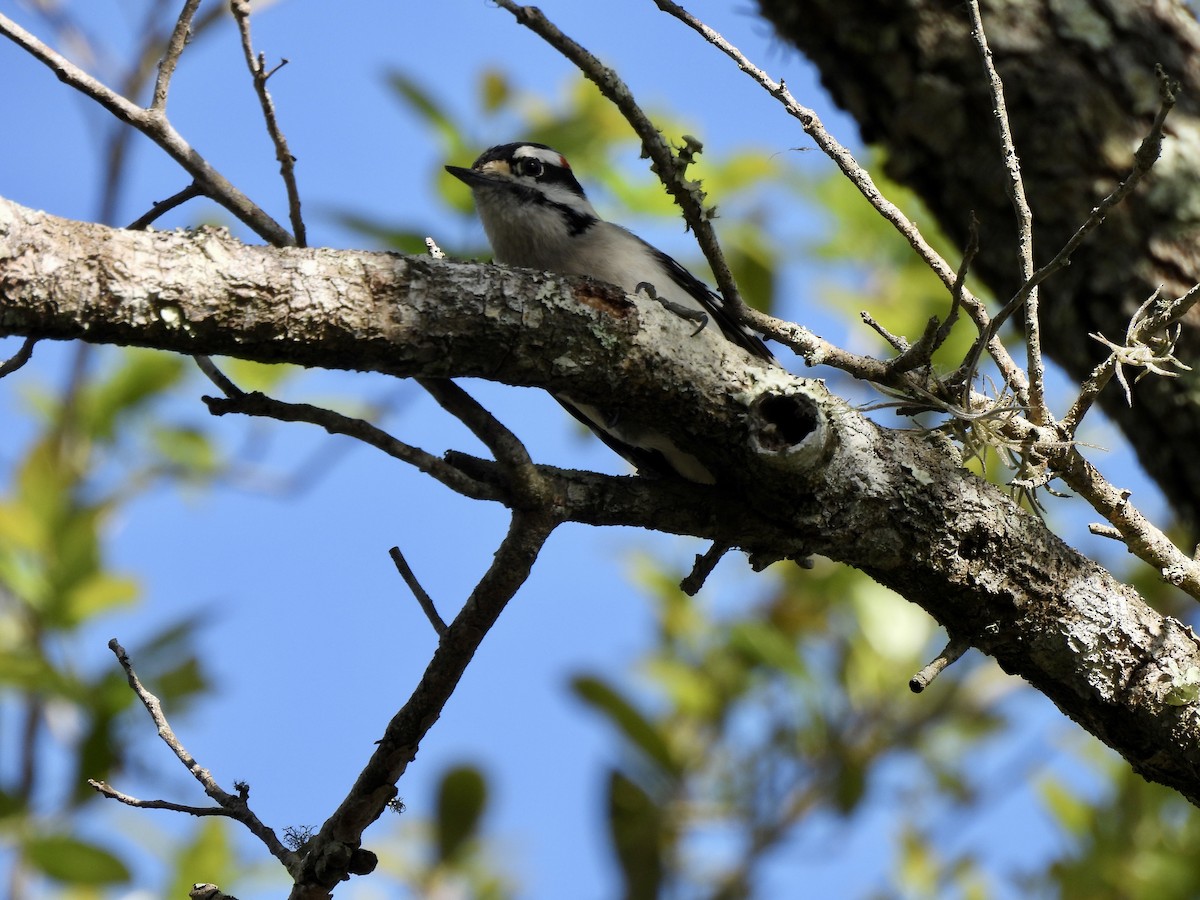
column 1081, row 91
column 798, row 469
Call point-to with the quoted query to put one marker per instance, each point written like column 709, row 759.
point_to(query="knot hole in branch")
column 784, row 420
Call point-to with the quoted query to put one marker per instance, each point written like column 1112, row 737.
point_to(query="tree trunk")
column 1081, row 90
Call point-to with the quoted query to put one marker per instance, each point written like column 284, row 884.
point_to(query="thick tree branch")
column 813, row 473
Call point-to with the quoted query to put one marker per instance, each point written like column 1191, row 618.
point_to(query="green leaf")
column 640, row 731
column 635, row 825
column 68, row 859
column 461, row 798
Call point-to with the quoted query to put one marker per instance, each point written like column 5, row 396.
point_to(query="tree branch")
column 809, row 473
column 154, row 124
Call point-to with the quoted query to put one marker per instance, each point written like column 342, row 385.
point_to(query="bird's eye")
column 530, row 167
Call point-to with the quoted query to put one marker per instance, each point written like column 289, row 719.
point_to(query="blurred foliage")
column 448, row 856
column 758, row 723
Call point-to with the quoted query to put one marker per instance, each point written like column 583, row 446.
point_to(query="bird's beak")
column 472, row 178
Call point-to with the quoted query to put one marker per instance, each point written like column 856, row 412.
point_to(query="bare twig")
column 1143, row 159
column 506, row 446
column 234, row 804
column 1015, row 187
column 162, row 207
column 154, row 125
column 260, row 75
column 423, row 598
column 107, row 790
column 170, row 59
column 861, row 179
column 217, row 377
column 258, row 404
column 704, row 565
column 949, row 655
column 376, row 784
column 18, row 359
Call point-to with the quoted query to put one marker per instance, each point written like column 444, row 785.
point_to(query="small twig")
column 899, row 344
column 375, row 787
column 154, row 124
column 107, row 790
column 162, row 207
column 423, row 598
column 1143, row 159
column 510, row 453
column 260, row 76
column 234, row 804
column 170, row 59
column 18, row 359
column 1101, row 530
column 703, row 567
column 1015, row 188
column 949, row 655
column 960, row 283
column 859, row 177
column 217, row 377
column 258, row 404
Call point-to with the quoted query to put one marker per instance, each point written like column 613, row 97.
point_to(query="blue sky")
column 306, row 611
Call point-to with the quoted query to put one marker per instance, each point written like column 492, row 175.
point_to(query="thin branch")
column 423, row 598
column 1143, row 160
column 703, row 567
column 259, row 74
column 170, row 59
column 18, row 359
column 162, row 207
column 155, row 126
column 107, row 790
column 949, row 655
column 376, row 784
column 858, row 176
column 1014, row 186
column 258, row 404
column 219, row 378
column 235, row 804
column 505, row 446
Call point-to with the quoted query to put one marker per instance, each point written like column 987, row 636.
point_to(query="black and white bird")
column 537, row 216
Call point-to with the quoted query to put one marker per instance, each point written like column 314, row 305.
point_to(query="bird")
column 536, row 215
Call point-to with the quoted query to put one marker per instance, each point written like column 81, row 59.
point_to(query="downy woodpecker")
column 537, row 216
